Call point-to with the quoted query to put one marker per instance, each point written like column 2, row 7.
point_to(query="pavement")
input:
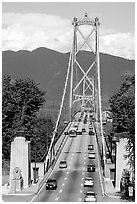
column 26, row 194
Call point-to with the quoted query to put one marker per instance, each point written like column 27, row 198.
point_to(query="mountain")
column 48, row 68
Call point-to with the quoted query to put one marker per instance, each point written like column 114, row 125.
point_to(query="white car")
column 90, row 197
column 91, row 155
column 88, row 182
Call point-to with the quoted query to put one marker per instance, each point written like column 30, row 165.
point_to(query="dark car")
column 90, row 147
column 66, row 133
column 51, row 184
column 93, row 119
column 83, row 130
column 91, row 132
column 91, row 168
column 63, row 164
column 85, row 121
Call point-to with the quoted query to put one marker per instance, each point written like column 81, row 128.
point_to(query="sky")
column 27, row 26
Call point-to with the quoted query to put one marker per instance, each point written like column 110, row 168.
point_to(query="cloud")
column 32, row 30
column 119, row 44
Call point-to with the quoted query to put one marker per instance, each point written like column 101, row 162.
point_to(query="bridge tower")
column 85, row 81
column 85, row 72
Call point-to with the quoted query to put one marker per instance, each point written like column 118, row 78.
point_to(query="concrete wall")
column 108, row 166
column 20, row 150
column 120, row 161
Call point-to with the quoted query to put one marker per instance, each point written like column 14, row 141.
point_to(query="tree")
column 41, row 138
column 123, row 108
column 21, row 101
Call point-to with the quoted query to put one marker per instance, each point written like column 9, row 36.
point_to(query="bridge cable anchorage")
column 61, row 106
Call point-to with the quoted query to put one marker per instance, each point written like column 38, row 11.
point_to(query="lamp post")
column 115, row 139
column 35, row 169
column 35, row 163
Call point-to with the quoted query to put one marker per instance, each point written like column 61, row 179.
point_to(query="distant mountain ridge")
column 48, row 68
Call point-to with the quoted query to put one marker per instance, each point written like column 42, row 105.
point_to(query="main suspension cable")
column 61, row 105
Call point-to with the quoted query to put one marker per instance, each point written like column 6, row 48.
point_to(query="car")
column 72, row 133
column 63, row 164
column 66, row 133
column 93, row 119
column 90, row 127
column 91, row 155
column 91, row 132
column 85, row 121
column 90, row 147
column 83, row 130
column 90, row 196
column 79, row 132
column 51, row 184
column 91, row 168
column 88, row 182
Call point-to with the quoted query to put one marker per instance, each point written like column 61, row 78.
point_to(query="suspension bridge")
column 85, row 112
column 85, row 92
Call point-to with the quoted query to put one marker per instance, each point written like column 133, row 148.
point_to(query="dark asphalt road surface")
column 70, row 180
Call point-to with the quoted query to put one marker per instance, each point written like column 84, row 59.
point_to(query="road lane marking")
column 56, row 198
column 65, row 178
column 67, row 172
column 81, row 184
column 81, row 191
column 63, row 184
column 79, row 199
column 83, row 173
column 60, row 191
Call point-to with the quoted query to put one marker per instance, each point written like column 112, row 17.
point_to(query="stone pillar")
column 21, row 157
column 120, row 161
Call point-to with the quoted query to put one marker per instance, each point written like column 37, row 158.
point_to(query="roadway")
column 70, row 180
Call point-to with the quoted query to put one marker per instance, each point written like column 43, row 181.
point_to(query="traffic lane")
column 73, row 188
column 63, row 175
column 50, row 195
column 96, row 175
